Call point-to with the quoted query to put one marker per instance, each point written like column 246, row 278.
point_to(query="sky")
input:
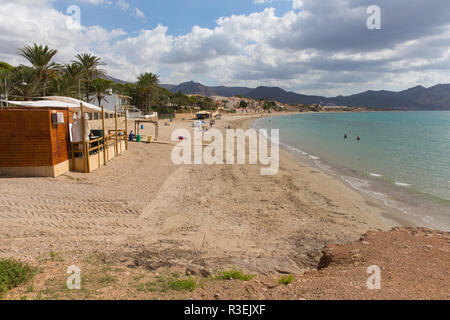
column 306, row 46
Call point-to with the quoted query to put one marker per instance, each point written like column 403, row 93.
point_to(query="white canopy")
column 59, row 102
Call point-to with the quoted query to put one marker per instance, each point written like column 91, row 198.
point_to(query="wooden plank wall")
column 59, row 138
column 27, row 138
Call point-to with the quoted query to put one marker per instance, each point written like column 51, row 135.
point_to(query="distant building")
column 203, row 115
column 335, row 108
column 122, row 102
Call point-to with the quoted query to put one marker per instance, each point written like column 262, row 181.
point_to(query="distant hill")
column 113, row 79
column 278, row 94
column 377, row 99
column 168, row 86
column 436, row 96
column 232, row 91
column 191, row 87
column 417, row 98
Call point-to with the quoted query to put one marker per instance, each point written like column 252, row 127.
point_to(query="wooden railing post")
column 88, row 164
column 98, row 152
column 116, row 148
column 126, row 129
column 85, row 149
column 105, row 160
column 72, row 151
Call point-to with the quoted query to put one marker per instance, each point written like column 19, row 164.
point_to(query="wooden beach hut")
column 35, row 138
column 34, row 142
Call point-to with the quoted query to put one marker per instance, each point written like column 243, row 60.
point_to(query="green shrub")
column 13, row 274
column 182, row 285
column 286, row 279
column 163, row 284
column 107, row 279
column 233, row 274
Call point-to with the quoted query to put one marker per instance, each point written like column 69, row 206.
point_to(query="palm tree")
column 23, row 82
column 90, row 68
column 66, row 82
column 73, row 70
column 5, row 67
column 5, row 72
column 147, row 83
column 102, row 87
column 40, row 58
column 191, row 101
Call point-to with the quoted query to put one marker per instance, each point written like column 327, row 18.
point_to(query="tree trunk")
column 87, row 91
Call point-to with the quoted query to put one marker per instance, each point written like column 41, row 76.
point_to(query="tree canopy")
column 84, row 78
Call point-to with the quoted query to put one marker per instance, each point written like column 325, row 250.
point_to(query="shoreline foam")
column 403, row 213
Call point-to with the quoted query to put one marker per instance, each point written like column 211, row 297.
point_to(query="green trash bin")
column 138, row 138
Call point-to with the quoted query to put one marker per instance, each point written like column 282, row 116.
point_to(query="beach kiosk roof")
column 45, row 138
column 59, row 102
column 203, row 115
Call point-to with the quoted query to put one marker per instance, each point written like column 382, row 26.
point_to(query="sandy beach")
column 149, row 215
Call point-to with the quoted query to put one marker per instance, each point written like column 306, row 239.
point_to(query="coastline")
column 405, row 207
column 229, row 215
column 385, row 213
column 193, row 221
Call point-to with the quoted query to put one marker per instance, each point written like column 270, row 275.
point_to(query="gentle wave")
column 359, row 184
column 324, row 167
column 374, row 178
column 355, row 182
column 375, row 175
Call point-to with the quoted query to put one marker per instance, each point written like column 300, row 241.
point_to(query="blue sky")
column 321, row 47
column 178, row 15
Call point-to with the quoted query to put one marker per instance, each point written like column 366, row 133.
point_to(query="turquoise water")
column 406, row 152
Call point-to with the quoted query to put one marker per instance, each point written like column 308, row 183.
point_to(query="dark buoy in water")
column 358, row 138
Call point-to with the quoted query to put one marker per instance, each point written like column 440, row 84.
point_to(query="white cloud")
column 97, row 2
column 322, row 49
column 297, row 4
column 139, row 13
column 262, row 1
column 124, row 5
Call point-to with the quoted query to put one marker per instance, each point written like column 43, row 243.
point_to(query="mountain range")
column 417, row 98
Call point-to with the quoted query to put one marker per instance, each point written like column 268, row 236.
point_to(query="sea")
column 401, row 160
